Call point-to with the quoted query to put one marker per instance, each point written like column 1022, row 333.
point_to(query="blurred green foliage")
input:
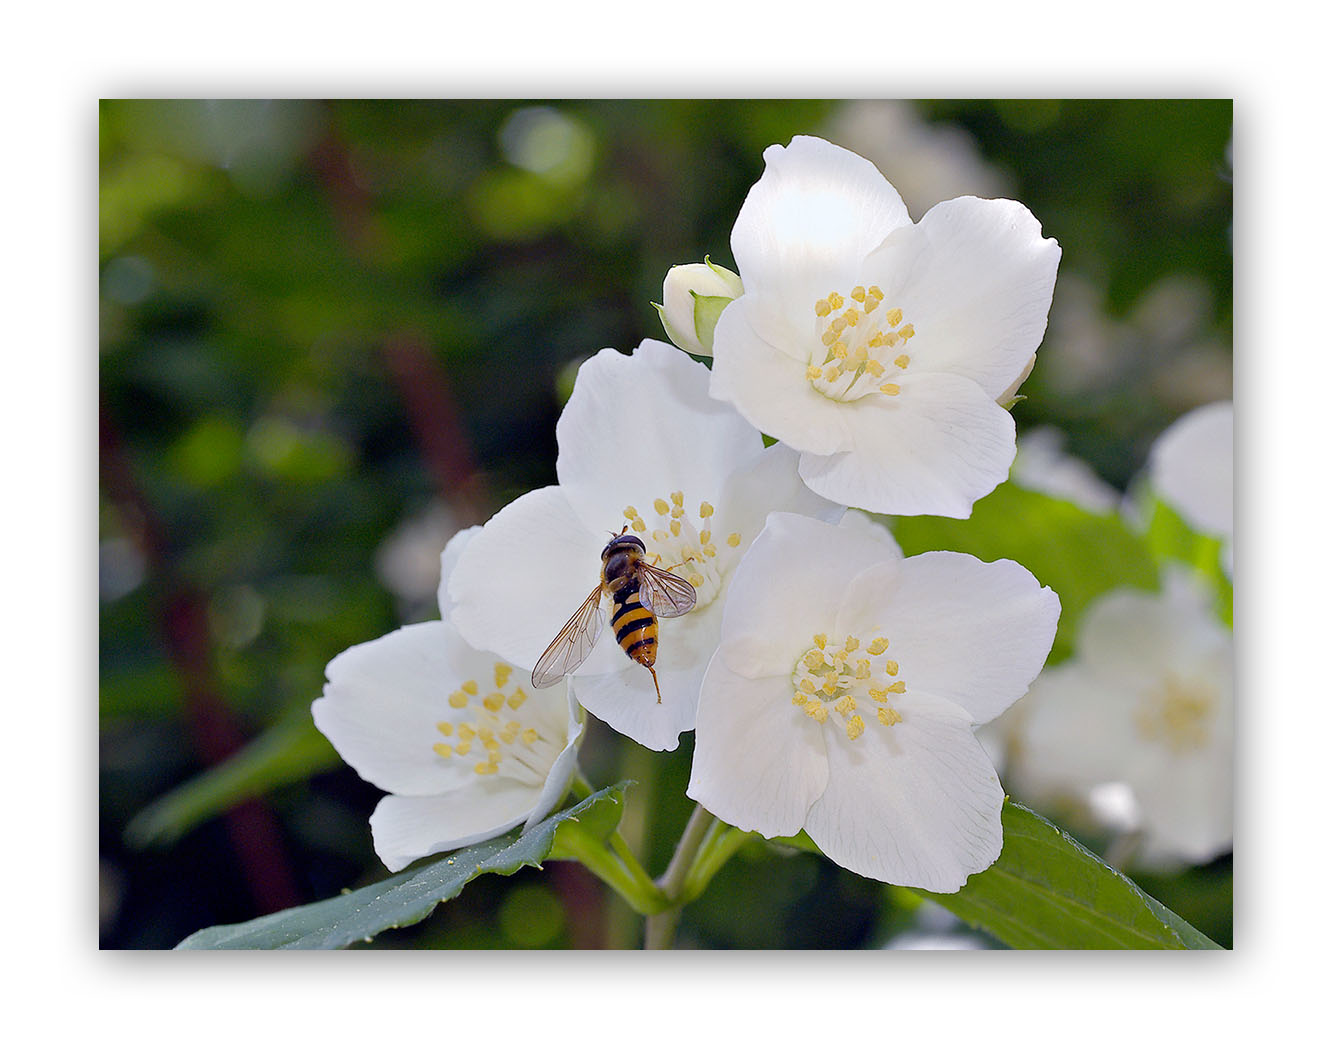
column 333, row 332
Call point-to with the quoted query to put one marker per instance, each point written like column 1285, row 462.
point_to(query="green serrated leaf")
column 405, row 898
column 1077, row 553
column 1048, row 892
column 289, row 752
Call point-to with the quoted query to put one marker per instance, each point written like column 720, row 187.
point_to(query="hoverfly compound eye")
column 621, row 542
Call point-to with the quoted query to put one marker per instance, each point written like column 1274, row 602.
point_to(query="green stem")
column 660, row 931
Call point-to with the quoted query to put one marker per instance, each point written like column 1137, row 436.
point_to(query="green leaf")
column 289, row 752
column 1078, row 553
column 1048, row 892
column 406, row 897
column 1171, row 538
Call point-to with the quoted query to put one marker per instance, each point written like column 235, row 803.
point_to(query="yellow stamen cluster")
column 683, row 544
column 1177, row 714
column 854, row 342
column 500, row 737
column 837, row 679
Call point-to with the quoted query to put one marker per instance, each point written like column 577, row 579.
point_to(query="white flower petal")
column 789, row 586
column 448, row 559
column 638, row 428
column 518, row 582
column 916, row 803
column 934, row 449
column 564, row 767
column 759, row 761
column 407, row 828
column 382, row 702
column 975, row 278
column 977, row 633
column 807, row 223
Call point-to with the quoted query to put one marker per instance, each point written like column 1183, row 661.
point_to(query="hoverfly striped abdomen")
column 635, row 626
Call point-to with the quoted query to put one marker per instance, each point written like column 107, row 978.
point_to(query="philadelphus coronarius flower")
column 462, row 743
column 1147, row 702
column 845, row 690
column 881, row 349
column 641, row 447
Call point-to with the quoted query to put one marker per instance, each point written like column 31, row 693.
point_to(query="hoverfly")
column 640, row 593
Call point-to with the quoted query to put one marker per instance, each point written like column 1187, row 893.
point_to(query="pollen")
column 677, row 498
column 888, row 716
column 705, row 510
column 493, row 702
column 517, row 699
column 485, row 768
column 890, row 667
column 902, row 360
column 852, row 643
column 890, row 388
column 831, row 680
column 443, row 750
column 471, row 688
column 630, row 513
column 897, row 686
column 855, row 727
column 502, row 673
column 445, row 728
column 733, row 539
column 817, row 711
column 853, row 344
column 878, row 646
column 661, row 506
column 893, row 317
column 530, row 736
column 458, row 699
column 813, row 372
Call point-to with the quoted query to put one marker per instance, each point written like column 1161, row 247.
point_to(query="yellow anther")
column 890, row 388
column 458, row 700
column 875, row 340
column 813, row 659
column 845, row 705
column 891, row 338
column 502, row 672
column 858, row 293
column 733, row 539
column 897, row 686
column 893, row 316
column 907, row 331
column 705, row 536
column 832, row 374
column 817, row 711
column 830, row 684
column 799, row 699
column 852, row 643
column 529, row 736
column 443, row 750
column 471, row 688
column 822, row 308
column 639, row 525
column 888, row 716
column 828, row 337
column 661, row 506
column 821, row 640
column 695, row 580
column 709, row 550
column 517, row 699
column 508, row 735
column 862, row 669
column 485, row 735
column 705, row 510
column 630, row 513
column 675, row 526
column 879, row 694
column 838, row 324
column 873, row 296
column 677, row 511
column 806, row 685
column 659, row 536
column 874, row 368
column 485, row 768
column 890, row 667
column 677, row 498
column 493, row 702
column 855, row 727
column 877, row 646
column 901, row 360
column 464, row 748
column 813, row 372
column 445, row 727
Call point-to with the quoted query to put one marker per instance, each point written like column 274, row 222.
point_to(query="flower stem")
column 660, row 930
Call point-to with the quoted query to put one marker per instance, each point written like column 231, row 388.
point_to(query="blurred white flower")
column 1146, row 705
column 1042, row 465
column 463, row 745
column 643, row 447
column 926, row 161
column 875, row 347
column 1192, row 468
column 692, row 298
column 844, row 694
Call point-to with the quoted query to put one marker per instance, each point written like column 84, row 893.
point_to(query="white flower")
column 462, row 743
column 844, row 694
column 1192, row 468
column 1042, row 465
column 693, row 297
column 876, row 347
column 1147, row 702
column 643, row 447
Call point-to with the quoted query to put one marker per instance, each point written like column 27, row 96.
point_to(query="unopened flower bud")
column 693, row 297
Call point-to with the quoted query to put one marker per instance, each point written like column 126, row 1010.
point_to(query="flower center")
column 843, row 678
column 492, row 731
column 683, row 544
column 862, row 346
column 1177, row 714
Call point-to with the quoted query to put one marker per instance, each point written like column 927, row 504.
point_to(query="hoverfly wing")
column 664, row 594
column 572, row 645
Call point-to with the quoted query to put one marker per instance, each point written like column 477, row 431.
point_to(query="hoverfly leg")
column 655, row 685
